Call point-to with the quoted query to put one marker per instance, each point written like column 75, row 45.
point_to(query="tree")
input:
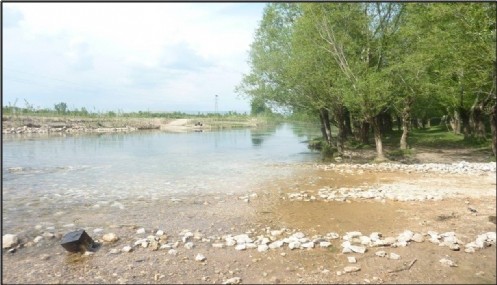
column 61, row 108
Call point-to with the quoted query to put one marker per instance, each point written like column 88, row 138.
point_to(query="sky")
column 128, row 57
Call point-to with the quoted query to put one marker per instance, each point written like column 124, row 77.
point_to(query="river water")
column 46, row 174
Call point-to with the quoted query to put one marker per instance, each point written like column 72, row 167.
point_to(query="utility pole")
column 215, row 104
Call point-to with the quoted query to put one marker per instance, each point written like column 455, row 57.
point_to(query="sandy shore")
column 265, row 235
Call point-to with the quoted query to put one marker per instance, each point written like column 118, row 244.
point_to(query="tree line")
column 361, row 66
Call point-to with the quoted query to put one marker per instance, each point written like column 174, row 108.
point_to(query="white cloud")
column 160, row 55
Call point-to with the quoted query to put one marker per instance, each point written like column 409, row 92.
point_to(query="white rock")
column 262, row 248
column 381, row 253
column 250, row 245
column 324, row 244
column 276, row 233
column 405, row 236
column 276, row 244
column 218, row 245
column 351, row 269
column 298, row 235
column 127, row 248
column 9, row 240
column 308, row 245
column 394, row 256
column 110, row 237
column 358, row 249
column 365, row 240
column 172, row 252
column 447, row 262
column 418, row 237
column 189, row 245
column 200, row 257
column 332, row 235
column 234, row 280
column 230, row 241
column 240, row 247
column 99, row 230
column 140, row 231
column 38, row 239
column 351, row 259
column 159, row 233
column 294, row 244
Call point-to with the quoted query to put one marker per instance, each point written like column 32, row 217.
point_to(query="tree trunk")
column 364, row 132
column 340, row 117
column 476, row 120
column 493, row 126
column 377, row 138
column 399, row 123
column 348, row 128
column 456, row 126
column 325, row 118
column 406, row 127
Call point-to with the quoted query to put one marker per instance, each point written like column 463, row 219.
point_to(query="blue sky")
column 127, row 56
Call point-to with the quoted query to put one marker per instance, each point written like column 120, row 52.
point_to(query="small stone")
column 189, row 245
column 234, row 280
column 9, row 240
column 240, row 247
column 200, row 257
column 418, row 237
column 110, row 237
column 324, row 244
column 349, row 269
column 114, row 251
column 351, row 259
column 283, row 254
column 394, row 256
column 140, row 231
column 159, row 233
column 381, row 253
column 262, row 248
column 99, row 230
column 218, row 245
column 172, row 252
column 127, row 248
column 447, row 262
column 38, row 239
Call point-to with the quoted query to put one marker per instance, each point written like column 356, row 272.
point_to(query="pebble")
column 234, row 280
column 9, row 240
column 189, row 245
column 110, row 237
column 140, row 231
column 127, row 248
column 381, row 253
column 37, row 239
column 172, row 252
column 200, row 257
column 394, row 256
column 447, row 262
column 351, row 259
column 349, row 269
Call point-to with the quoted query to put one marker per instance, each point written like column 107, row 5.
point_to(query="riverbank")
column 358, row 228
column 51, row 125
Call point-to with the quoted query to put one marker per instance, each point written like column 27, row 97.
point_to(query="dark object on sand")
column 77, row 241
column 491, row 219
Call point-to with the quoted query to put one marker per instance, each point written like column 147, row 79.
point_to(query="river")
column 46, row 175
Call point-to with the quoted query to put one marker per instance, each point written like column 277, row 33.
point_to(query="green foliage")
column 61, row 108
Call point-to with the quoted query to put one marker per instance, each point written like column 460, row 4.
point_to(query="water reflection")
column 258, row 135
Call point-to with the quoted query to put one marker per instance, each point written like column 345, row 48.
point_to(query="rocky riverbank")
column 61, row 125
column 329, row 223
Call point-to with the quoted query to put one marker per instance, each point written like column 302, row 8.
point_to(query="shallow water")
column 42, row 175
